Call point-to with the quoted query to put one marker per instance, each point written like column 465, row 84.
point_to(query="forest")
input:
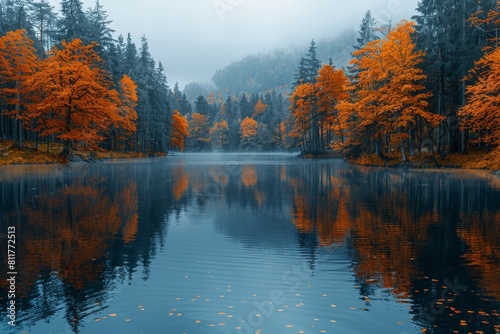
column 66, row 81
column 420, row 89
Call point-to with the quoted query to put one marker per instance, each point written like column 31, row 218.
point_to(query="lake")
column 250, row 243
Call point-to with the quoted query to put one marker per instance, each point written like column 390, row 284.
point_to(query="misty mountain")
column 275, row 70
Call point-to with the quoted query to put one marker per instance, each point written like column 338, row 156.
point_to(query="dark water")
column 250, row 243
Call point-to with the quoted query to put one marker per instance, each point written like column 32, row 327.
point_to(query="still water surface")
column 251, row 243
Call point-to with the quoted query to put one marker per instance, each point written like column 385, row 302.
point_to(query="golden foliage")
column 75, row 100
column 481, row 114
column 179, row 130
column 260, row 107
column 17, row 63
column 248, row 132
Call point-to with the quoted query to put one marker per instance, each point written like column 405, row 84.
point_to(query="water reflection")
column 420, row 236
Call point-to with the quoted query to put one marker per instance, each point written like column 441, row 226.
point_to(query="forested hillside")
column 276, row 70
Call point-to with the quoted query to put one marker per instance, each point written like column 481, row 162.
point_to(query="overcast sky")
column 193, row 38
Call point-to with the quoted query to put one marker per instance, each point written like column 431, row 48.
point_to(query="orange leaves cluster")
column 179, row 130
column 482, row 111
column 301, row 100
column 260, row 107
column 314, row 109
column 17, row 63
column 248, row 132
column 219, row 134
column 488, row 22
column 128, row 97
column 198, row 131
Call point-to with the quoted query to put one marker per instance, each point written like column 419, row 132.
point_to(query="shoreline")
column 478, row 161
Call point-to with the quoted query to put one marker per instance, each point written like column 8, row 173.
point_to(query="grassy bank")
column 29, row 155
column 470, row 160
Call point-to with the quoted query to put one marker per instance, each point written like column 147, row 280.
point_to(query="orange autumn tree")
column 179, row 130
column 302, row 105
column 331, row 90
column 77, row 103
column 367, row 125
column 219, row 134
column 259, row 108
column 481, row 113
column 126, row 124
column 198, row 132
column 391, row 99
column 488, row 22
column 248, row 133
column 17, row 62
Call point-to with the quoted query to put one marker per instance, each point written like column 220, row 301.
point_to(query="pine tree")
column 366, row 34
column 367, row 31
column 73, row 23
column 451, row 45
column 313, row 64
column 99, row 30
column 308, row 67
column 43, row 21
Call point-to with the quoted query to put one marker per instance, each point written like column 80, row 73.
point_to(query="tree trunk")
column 15, row 135
column 20, row 131
column 403, row 152
column 411, row 139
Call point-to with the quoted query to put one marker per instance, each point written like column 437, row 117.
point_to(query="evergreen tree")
column 99, row 30
column 313, row 64
column 73, row 23
column 43, row 19
column 201, row 106
column 308, row 67
column 366, row 34
column 179, row 101
column 451, row 45
column 130, row 63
